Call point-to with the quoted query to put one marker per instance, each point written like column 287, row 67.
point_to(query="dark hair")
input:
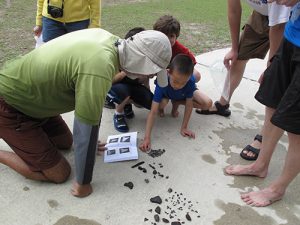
column 183, row 64
column 168, row 25
column 134, row 31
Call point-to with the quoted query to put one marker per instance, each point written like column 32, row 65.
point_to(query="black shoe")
column 120, row 123
column 129, row 114
column 109, row 103
column 222, row 110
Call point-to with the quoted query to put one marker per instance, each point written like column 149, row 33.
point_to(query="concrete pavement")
column 194, row 169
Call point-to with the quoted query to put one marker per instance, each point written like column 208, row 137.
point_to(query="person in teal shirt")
column 72, row 72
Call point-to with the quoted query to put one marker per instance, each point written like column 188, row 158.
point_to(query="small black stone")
column 165, row 220
column 140, row 168
column 156, row 218
column 129, row 185
column 154, row 172
column 145, row 219
column 156, row 199
column 138, row 164
column 176, row 223
column 150, row 210
column 146, row 181
column 188, row 217
column 144, row 170
column 167, row 177
column 170, row 190
column 157, row 210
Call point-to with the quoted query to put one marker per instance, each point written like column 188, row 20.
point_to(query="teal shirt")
column 73, row 71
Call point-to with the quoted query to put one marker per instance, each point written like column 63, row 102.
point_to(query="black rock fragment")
column 167, row 177
column 138, row 164
column 156, row 153
column 176, row 223
column 157, row 210
column 165, row 220
column 156, row 200
column 146, row 181
column 152, row 166
column 154, row 172
column 156, row 218
column 170, row 190
column 188, row 217
column 144, row 170
column 129, row 185
column 150, row 210
column 145, row 219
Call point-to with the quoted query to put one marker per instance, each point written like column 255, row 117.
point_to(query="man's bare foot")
column 161, row 112
column 248, row 170
column 262, row 198
column 175, row 113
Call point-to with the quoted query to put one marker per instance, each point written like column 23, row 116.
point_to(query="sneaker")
column 120, row 123
column 129, row 114
column 109, row 103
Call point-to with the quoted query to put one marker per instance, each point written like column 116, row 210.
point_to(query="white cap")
column 147, row 52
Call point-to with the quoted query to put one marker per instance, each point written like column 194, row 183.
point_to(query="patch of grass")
column 204, row 23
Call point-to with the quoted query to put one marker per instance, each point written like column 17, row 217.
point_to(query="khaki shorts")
column 254, row 40
column 35, row 141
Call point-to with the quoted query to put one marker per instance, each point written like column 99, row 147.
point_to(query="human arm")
column 85, row 144
column 95, row 13
column 38, row 23
column 234, row 10
column 186, row 117
column 146, row 144
column 118, row 77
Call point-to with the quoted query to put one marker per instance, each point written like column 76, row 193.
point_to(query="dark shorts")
column 280, row 88
column 138, row 93
column 254, row 40
column 36, row 141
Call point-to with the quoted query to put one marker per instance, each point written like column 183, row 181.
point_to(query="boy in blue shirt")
column 180, row 89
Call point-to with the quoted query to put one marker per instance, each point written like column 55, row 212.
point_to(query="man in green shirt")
column 72, row 72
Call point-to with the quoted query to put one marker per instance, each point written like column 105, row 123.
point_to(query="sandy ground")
column 194, row 169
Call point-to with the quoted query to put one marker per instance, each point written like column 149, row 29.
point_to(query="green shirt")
column 73, row 71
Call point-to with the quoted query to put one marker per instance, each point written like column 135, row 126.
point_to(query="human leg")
column 260, row 167
column 201, row 100
column 120, row 92
column 277, row 188
column 197, row 75
column 275, row 37
column 52, row 29
column 58, row 133
column 162, row 106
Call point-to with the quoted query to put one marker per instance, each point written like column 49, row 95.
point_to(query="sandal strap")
column 220, row 107
column 258, row 137
column 252, row 149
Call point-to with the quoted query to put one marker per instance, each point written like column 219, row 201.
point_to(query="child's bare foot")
column 161, row 112
column 262, row 198
column 248, row 170
column 175, row 113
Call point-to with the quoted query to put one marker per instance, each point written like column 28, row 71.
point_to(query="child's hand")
column 145, row 145
column 101, row 147
column 187, row 133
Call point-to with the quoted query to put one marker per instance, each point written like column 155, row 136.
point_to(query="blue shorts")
column 53, row 29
